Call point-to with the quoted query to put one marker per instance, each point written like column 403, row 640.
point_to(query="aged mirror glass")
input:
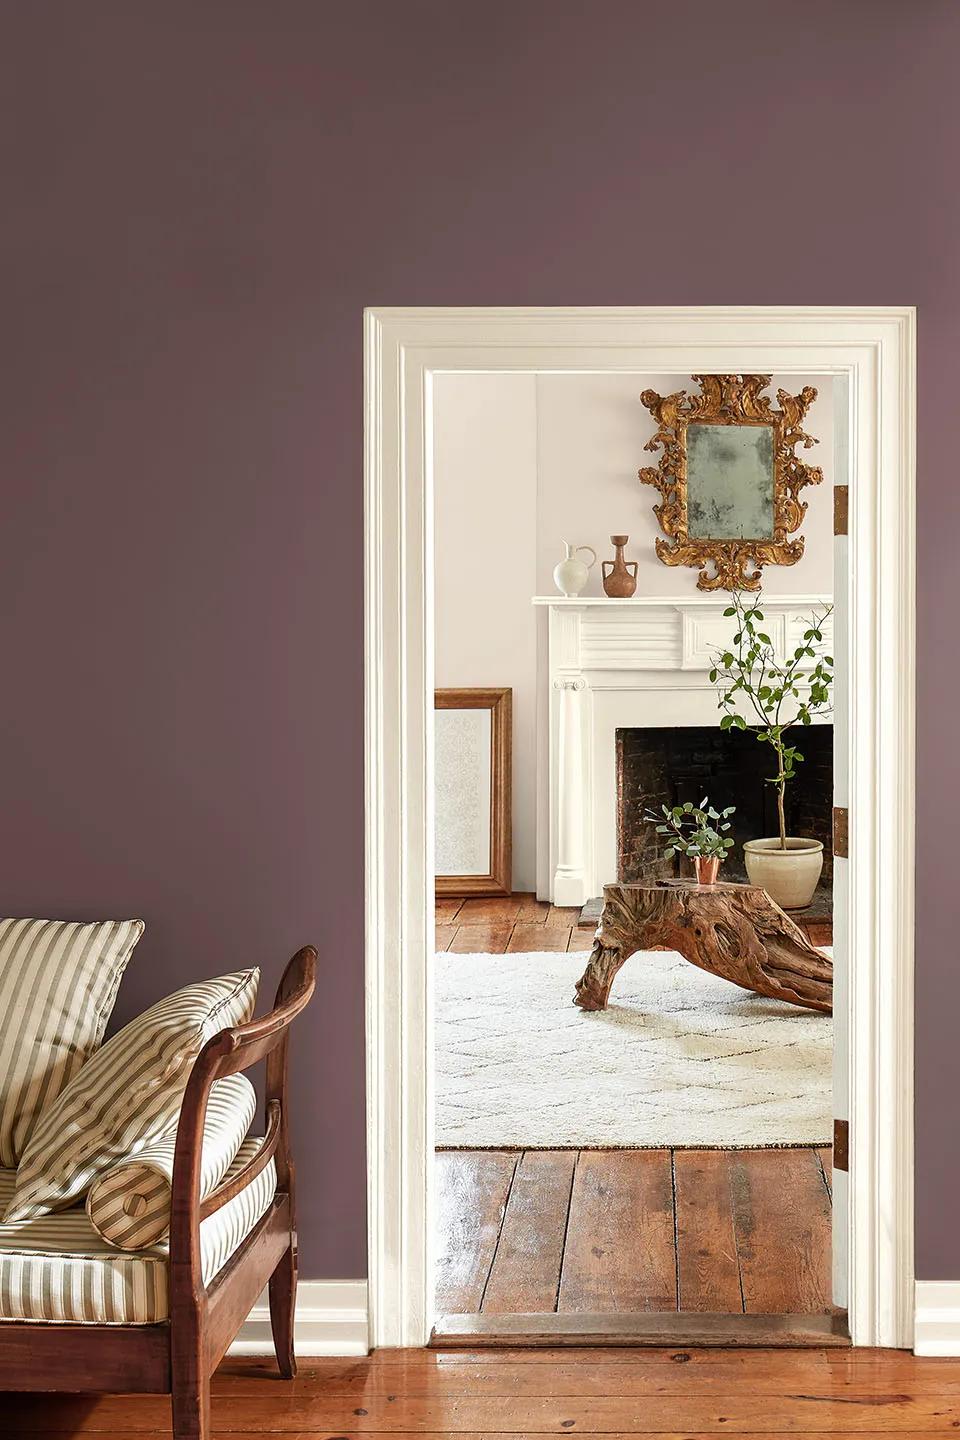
column 462, row 781
column 729, row 477
column 730, row 482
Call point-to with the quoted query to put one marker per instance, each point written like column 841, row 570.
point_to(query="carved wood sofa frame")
column 178, row 1356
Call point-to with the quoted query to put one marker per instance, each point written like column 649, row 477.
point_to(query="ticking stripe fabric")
column 58, row 984
column 126, row 1095
column 130, row 1204
column 58, row 1269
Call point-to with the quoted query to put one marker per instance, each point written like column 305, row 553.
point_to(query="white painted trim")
column 331, row 1319
column 937, row 1322
column 875, row 349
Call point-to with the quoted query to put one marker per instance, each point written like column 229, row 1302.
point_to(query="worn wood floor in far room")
column 521, row 923
column 511, row 923
column 627, row 1231
column 699, row 1394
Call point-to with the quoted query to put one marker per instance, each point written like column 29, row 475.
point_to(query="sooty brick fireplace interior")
column 670, row 766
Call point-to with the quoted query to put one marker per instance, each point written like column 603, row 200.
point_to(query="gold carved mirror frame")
column 730, row 563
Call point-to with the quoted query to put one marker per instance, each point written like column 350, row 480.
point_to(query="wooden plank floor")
column 652, row 1392
column 630, row 1231
column 512, row 923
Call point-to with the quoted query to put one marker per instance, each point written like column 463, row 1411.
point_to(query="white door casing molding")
column 875, row 349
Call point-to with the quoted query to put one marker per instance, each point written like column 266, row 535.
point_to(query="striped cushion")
column 59, row 1269
column 127, row 1095
column 130, row 1204
column 58, row 982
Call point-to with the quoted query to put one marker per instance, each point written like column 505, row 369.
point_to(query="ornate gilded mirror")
column 729, row 478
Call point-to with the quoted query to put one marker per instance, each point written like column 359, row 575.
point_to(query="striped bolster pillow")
column 126, row 1096
column 130, row 1205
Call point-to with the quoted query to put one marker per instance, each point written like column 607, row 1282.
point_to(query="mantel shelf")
column 674, row 602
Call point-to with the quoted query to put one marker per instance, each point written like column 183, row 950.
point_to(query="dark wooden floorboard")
column 620, row 1252
column 472, row 1190
column 782, row 1219
column 483, row 939
column 526, row 1269
column 707, row 1265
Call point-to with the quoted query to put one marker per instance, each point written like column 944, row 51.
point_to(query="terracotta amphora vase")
column 619, row 575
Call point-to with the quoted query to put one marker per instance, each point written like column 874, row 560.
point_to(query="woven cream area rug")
column 680, row 1058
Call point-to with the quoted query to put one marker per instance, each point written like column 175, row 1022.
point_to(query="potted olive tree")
column 697, row 831
column 771, row 698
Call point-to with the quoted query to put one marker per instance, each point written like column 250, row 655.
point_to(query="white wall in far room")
column 485, row 519
column 524, row 462
column 591, row 430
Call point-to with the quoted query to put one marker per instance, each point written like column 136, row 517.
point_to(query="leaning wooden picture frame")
column 473, row 749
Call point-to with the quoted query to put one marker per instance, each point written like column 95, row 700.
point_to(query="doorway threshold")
column 644, row 1328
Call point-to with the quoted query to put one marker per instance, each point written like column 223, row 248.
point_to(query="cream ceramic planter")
column 789, row 876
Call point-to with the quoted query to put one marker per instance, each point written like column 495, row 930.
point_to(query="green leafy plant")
column 777, row 696
column 693, row 829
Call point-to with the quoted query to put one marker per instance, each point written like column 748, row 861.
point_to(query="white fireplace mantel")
column 619, row 664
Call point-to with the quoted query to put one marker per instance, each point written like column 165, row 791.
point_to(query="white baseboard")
column 936, row 1329
column 331, row 1320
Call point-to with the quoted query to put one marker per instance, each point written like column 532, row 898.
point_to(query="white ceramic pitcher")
column 571, row 573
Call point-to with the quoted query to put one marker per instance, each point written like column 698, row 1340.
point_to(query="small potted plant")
column 697, row 831
column 776, row 695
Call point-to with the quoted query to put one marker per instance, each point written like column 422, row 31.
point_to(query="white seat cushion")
column 58, row 1269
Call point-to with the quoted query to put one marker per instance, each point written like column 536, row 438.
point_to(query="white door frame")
column 404, row 348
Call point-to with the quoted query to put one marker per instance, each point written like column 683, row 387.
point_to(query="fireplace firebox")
column 673, row 765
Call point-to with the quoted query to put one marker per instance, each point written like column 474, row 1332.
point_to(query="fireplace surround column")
column 569, row 876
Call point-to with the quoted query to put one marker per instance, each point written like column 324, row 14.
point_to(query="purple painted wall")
column 198, row 200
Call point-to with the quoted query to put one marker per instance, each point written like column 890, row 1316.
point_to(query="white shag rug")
column 680, row 1058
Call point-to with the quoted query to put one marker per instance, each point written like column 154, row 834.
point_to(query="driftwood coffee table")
column 731, row 930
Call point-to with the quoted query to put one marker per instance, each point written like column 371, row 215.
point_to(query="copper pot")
column 706, row 868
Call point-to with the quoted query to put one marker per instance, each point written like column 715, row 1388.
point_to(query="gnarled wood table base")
column 731, row 930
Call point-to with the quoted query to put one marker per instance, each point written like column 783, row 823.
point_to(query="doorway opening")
column 871, row 354
column 669, row 1153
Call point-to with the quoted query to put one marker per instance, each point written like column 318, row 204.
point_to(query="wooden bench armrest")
column 228, row 1188
column 237, row 1048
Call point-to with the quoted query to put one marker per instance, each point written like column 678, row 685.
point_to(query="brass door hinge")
column 841, row 832
column 841, row 1144
column 841, row 504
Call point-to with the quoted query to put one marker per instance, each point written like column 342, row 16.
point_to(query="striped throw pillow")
column 130, row 1205
column 58, row 984
column 127, row 1095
